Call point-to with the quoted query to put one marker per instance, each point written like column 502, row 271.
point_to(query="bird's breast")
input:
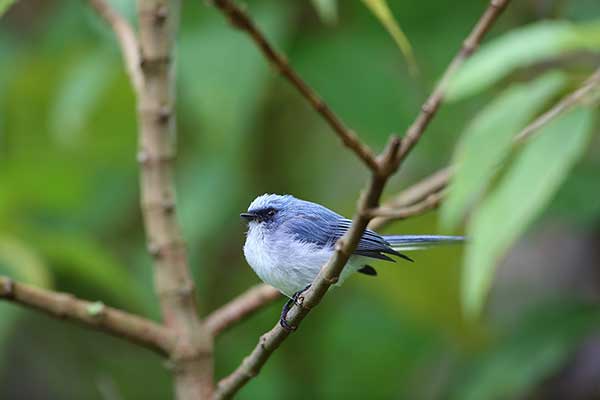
column 283, row 262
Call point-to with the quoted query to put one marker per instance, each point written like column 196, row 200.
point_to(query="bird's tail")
column 417, row 242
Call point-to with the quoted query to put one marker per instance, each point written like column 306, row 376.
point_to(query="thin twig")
column 118, row 323
column 126, row 38
column 388, row 163
column 240, row 19
column 240, row 308
column 565, row 104
column 192, row 357
column 432, row 104
column 429, row 203
column 413, row 195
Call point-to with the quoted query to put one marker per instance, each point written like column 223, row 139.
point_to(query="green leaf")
column 79, row 94
column 533, row 350
column 21, row 262
column 382, row 12
column 520, row 196
column 487, row 141
column 327, row 10
column 82, row 258
column 520, row 48
column 5, row 5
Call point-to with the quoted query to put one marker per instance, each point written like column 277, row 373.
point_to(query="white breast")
column 288, row 265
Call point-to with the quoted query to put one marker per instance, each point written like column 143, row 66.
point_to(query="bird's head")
column 269, row 209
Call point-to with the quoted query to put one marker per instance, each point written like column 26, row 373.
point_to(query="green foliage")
column 327, row 10
column 70, row 217
column 21, row 262
column 529, row 353
column 520, row 48
column 487, row 141
column 382, row 12
column 520, row 196
column 5, row 5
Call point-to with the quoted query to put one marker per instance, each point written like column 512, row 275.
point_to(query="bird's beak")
column 249, row 216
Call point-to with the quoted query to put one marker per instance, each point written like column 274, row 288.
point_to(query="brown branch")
column 565, row 104
column 240, row 308
column 432, row 104
column 125, row 37
column 414, row 194
column 390, row 214
column 387, row 165
column 192, row 355
column 240, row 19
column 118, row 323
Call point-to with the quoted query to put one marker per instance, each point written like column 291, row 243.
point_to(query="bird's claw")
column 284, row 324
column 286, row 308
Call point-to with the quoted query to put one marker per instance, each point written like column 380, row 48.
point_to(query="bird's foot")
column 286, row 308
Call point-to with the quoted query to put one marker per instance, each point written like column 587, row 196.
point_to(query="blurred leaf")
column 383, row 13
column 520, row 196
column 487, row 141
column 21, row 262
column 5, row 5
column 327, row 10
column 78, row 94
column 222, row 82
column 520, row 48
column 82, row 259
column 537, row 347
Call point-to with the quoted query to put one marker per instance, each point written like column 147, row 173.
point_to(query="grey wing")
column 371, row 244
column 325, row 227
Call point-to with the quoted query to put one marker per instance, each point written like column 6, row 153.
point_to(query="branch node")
column 8, row 288
column 96, row 309
column 161, row 14
column 164, row 114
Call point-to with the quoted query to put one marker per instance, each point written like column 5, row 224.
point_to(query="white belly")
column 289, row 266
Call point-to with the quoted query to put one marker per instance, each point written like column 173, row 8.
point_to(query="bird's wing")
column 326, row 227
column 371, row 243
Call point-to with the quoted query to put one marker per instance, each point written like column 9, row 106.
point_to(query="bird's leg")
column 286, row 308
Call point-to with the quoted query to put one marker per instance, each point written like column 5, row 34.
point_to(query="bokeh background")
column 70, row 220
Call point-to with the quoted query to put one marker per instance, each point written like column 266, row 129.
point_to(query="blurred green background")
column 69, row 215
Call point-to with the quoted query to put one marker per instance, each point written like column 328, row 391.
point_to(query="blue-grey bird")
column 289, row 240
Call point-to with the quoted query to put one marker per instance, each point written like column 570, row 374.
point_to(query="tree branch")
column 388, row 163
column 192, row 355
column 240, row 308
column 565, row 104
column 240, row 20
column 126, row 38
column 389, row 214
column 413, row 195
column 432, row 104
column 96, row 315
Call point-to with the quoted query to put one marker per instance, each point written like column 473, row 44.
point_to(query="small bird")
column 289, row 240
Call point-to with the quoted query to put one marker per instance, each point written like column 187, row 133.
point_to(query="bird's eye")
column 271, row 212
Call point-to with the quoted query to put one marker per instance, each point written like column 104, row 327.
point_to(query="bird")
column 289, row 240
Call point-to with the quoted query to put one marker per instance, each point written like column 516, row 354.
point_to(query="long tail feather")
column 416, row 242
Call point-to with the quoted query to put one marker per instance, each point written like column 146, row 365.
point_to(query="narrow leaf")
column 22, row 262
column 487, row 141
column 79, row 94
column 5, row 5
column 383, row 13
column 520, row 48
column 327, row 10
column 527, row 187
